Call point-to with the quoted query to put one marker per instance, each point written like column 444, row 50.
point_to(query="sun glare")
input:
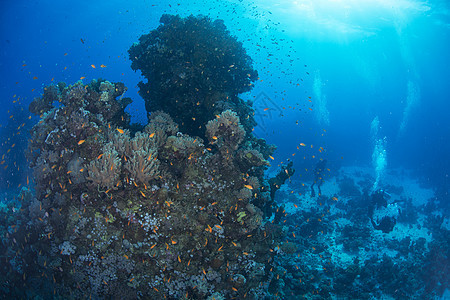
column 350, row 17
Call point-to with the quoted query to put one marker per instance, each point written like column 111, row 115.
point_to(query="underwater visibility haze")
column 225, row 149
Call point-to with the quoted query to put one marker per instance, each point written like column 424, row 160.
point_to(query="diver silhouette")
column 378, row 201
column 318, row 177
column 386, row 224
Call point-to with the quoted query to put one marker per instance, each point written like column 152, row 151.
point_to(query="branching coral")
column 183, row 146
column 143, row 166
column 142, row 162
column 121, row 141
column 104, row 171
column 140, row 142
column 250, row 158
column 160, row 126
column 225, row 131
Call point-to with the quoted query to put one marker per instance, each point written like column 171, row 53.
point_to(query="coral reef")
column 152, row 213
column 147, row 210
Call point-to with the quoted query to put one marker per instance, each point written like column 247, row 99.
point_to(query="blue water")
column 326, row 70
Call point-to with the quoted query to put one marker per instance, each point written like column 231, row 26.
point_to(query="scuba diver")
column 386, row 224
column 378, row 199
column 318, row 177
column 386, row 214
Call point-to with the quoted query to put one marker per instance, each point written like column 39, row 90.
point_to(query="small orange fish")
column 81, row 142
column 266, row 109
column 248, row 186
column 102, row 66
column 65, row 54
column 214, row 137
column 93, row 66
column 302, row 144
column 35, row 77
column 120, row 130
column 152, row 135
column 82, row 77
column 271, row 157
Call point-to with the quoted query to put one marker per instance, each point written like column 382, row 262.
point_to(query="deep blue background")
column 365, row 55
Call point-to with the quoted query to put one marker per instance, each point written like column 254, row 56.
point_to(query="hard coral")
column 43, row 104
column 225, row 131
column 160, row 126
column 192, row 66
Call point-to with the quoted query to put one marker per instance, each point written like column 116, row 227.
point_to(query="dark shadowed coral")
column 194, row 69
column 44, row 103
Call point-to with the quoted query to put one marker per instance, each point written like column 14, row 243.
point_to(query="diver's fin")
column 374, row 224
